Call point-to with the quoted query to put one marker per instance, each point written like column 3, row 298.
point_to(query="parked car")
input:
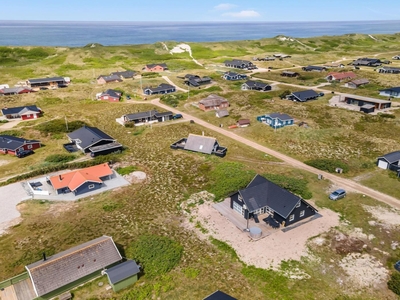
column 321, row 94
column 128, row 97
column 397, row 265
column 177, row 116
column 338, row 194
column 24, row 153
column 43, row 88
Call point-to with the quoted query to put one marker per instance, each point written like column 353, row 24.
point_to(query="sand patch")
column 180, row 48
column 266, row 252
column 4, row 162
column 364, row 270
column 388, row 218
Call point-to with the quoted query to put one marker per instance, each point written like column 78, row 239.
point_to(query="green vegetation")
column 157, row 254
column 59, row 126
column 295, row 185
column 394, row 283
column 126, row 170
column 329, row 165
column 228, row 177
column 59, row 158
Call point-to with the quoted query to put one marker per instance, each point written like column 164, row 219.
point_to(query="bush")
column 173, row 100
column 394, row 283
column 150, row 74
column 59, row 158
column 294, row 185
column 228, row 177
column 157, row 254
column 329, row 165
column 59, row 126
column 126, row 170
column 284, row 94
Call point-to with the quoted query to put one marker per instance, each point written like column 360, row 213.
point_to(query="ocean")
column 78, row 34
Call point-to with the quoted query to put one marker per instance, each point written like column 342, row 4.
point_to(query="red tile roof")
column 342, row 75
column 76, row 178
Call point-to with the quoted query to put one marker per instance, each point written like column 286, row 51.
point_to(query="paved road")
column 347, row 184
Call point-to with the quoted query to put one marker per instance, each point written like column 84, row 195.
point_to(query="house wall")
column 84, row 188
column 155, row 69
column 124, row 283
column 99, row 143
column 109, row 99
column 390, row 94
column 32, row 146
column 30, row 116
column 308, row 212
column 101, row 81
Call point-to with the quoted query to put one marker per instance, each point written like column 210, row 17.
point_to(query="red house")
column 156, row 67
column 103, row 79
column 109, row 95
column 23, row 112
column 213, row 102
column 339, row 76
column 15, row 145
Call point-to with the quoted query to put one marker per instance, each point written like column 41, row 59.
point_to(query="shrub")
column 173, row 100
column 394, row 283
column 12, row 132
column 284, row 94
column 294, row 185
column 59, row 158
column 157, row 254
column 126, row 170
column 388, row 116
column 329, row 165
column 59, row 126
column 150, row 74
column 228, row 177
column 224, row 247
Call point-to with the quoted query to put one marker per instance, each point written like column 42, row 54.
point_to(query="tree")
column 394, row 283
column 157, row 254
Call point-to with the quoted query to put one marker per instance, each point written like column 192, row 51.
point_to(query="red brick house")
column 103, row 79
column 15, row 145
column 155, row 67
column 339, row 76
column 23, row 112
column 109, row 95
column 213, row 102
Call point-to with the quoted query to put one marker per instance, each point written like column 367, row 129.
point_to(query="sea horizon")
column 112, row 33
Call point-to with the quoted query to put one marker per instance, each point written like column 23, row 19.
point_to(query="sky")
column 201, row 10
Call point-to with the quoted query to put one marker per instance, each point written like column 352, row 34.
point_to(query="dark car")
column 24, row 153
column 321, row 94
column 177, row 116
column 397, row 265
column 43, row 88
column 338, row 194
column 128, row 97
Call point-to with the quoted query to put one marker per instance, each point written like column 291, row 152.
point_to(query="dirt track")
column 347, row 184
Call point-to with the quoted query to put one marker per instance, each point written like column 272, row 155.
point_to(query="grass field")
column 173, row 175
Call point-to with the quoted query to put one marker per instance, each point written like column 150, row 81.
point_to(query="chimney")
column 44, row 256
column 59, row 177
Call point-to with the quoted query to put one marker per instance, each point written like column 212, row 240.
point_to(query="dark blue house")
column 163, row 88
column 304, row 96
column 234, row 76
column 275, row 204
column 276, row 120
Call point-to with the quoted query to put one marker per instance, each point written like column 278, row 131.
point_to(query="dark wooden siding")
column 308, row 212
column 84, row 188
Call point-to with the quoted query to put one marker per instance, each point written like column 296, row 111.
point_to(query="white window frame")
column 237, row 205
column 298, row 204
column 302, row 213
column 29, row 147
column 91, row 186
column 291, row 218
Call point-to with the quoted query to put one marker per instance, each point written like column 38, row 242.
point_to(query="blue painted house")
column 276, row 120
column 234, row 76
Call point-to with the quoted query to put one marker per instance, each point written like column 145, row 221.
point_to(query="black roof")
column 161, row 87
column 305, row 95
column 111, row 93
column 125, row 74
column 13, row 143
column 218, row 295
column 49, row 79
column 88, row 136
column 141, row 115
column 261, row 192
column 122, row 271
column 256, row 84
column 238, row 62
column 313, row 68
column 17, row 110
column 390, row 157
column 108, row 78
column 393, row 89
column 164, row 65
column 280, row 116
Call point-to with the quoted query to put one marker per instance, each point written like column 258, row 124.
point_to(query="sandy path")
column 347, row 184
column 171, row 82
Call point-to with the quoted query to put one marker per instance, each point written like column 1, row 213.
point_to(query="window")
column 29, row 146
column 91, row 186
column 302, row 213
column 298, row 204
column 238, row 208
column 291, row 218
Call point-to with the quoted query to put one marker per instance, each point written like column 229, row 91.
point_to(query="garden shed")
column 123, row 275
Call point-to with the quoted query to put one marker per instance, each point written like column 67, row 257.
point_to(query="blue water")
column 77, row 34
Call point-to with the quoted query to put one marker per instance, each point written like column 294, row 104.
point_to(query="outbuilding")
column 123, row 275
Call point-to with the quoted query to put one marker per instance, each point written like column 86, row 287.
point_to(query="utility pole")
column 188, row 91
column 66, row 123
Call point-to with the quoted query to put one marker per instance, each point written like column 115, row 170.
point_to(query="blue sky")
column 201, row 10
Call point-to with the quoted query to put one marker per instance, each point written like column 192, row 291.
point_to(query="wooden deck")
column 22, row 290
column 240, row 222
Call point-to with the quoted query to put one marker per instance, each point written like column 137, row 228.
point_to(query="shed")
column 221, row 113
column 123, row 275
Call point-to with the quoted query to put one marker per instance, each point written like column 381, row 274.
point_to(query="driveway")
column 347, row 184
column 10, row 196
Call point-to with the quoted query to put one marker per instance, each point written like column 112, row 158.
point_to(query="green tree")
column 394, row 283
